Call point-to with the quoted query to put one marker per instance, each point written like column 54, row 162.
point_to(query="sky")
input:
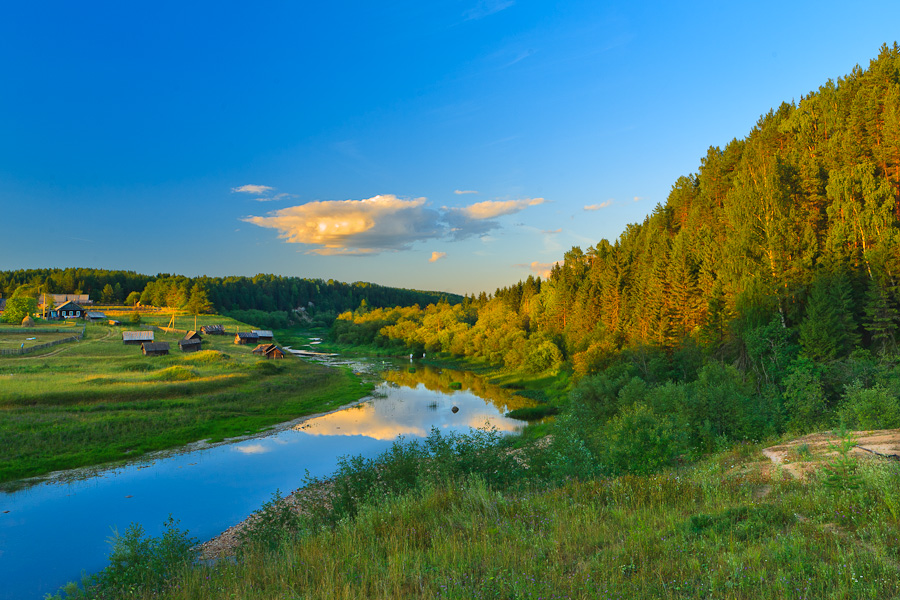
column 455, row 146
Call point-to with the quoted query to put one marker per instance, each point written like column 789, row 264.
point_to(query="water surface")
column 56, row 530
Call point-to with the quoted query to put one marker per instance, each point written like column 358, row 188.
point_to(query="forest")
column 761, row 297
column 268, row 300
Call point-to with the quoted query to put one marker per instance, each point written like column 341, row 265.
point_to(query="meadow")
column 464, row 517
column 97, row 400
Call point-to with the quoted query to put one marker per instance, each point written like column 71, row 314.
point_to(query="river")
column 55, row 530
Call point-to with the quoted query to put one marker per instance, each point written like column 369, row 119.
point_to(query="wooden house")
column 213, row 330
column 269, row 351
column 136, row 338
column 70, row 310
column 155, row 348
column 264, row 335
column 193, row 335
column 94, row 317
column 246, row 338
column 190, row 344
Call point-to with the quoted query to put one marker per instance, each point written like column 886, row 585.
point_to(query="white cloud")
column 355, row 227
column 598, row 206
column 551, row 232
column 256, row 190
column 436, row 256
column 637, row 199
column 476, row 219
column 461, row 192
column 542, row 269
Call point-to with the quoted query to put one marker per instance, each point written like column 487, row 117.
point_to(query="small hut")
column 94, row 316
column 264, row 335
column 190, row 344
column 269, row 351
column 246, row 338
column 155, row 348
column 213, row 330
column 136, row 338
column 192, row 335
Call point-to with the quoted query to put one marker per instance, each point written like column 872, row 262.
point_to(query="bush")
column 804, row 398
column 135, row 318
column 273, row 523
column 545, row 356
column 139, row 565
column 640, row 441
column 872, row 408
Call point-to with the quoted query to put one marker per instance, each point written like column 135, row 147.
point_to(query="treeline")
column 771, row 275
column 271, row 294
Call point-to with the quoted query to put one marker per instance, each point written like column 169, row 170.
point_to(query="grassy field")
column 472, row 526
column 98, row 400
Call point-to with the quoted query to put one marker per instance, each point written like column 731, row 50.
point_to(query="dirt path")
column 801, row 456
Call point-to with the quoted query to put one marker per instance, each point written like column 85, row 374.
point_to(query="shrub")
column 640, row 441
column 545, row 356
column 872, row 408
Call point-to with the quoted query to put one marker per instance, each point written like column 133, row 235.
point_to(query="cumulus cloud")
column 436, row 256
column 256, row 190
column 461, row 192
column 542, row 269
column 382, row 223
column 355, row 227
column 598, row 206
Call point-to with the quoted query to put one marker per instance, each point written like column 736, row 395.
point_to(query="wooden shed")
column 136, row 338
column 155, row 348
column 193, row 335
column 94, row 317
column 269, row 351
column 213, row 330
column 190, row 344
column 246, row 338
column 264, row 335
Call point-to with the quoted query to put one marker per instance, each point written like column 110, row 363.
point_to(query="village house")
column 213, row 329
column 155, row 348
column 269, row 351
column 246, row 338
column 70, row 310
column 136, row 338
column 94, row 317
column 193, row 335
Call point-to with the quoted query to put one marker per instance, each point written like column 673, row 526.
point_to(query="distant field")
column 98, row 400
column 16, row 340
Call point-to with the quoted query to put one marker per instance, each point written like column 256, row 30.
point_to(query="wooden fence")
column 18, row 351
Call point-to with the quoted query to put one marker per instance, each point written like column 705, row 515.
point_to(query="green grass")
column 98, row 400
column 726, row 527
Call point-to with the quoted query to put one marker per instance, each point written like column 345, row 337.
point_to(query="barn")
column 246, row 338
column 269, row 351
column 155, row 348
column 190, row 344
column 136, row 338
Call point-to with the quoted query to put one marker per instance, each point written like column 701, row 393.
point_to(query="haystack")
column 28, row 322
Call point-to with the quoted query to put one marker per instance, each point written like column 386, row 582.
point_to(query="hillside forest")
column 761, row 297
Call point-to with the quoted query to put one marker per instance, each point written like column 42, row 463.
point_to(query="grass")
column 98, row 400
column 726, row 527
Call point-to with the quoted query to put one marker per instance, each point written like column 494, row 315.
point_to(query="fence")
column 18, row 351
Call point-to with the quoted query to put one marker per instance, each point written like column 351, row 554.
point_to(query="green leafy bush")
column 869, row 408
column 640, row 441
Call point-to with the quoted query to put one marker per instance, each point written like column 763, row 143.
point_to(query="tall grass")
column 702, row 531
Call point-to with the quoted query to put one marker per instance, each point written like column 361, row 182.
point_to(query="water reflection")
column 55, row 530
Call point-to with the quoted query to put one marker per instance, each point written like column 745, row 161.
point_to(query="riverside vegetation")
column 97, row 400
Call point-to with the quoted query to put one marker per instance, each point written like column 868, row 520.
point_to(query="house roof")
column 245, row 335
column 263, row 333
column 191, row 335
column 190, row 341
column 69, row 305
column 155, row 346
column 95, row 315
column 264, row 348
column 134, row 336
column 62, row 298
column 209, row 328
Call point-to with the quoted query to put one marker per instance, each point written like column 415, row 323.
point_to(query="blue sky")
column 456, row 146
